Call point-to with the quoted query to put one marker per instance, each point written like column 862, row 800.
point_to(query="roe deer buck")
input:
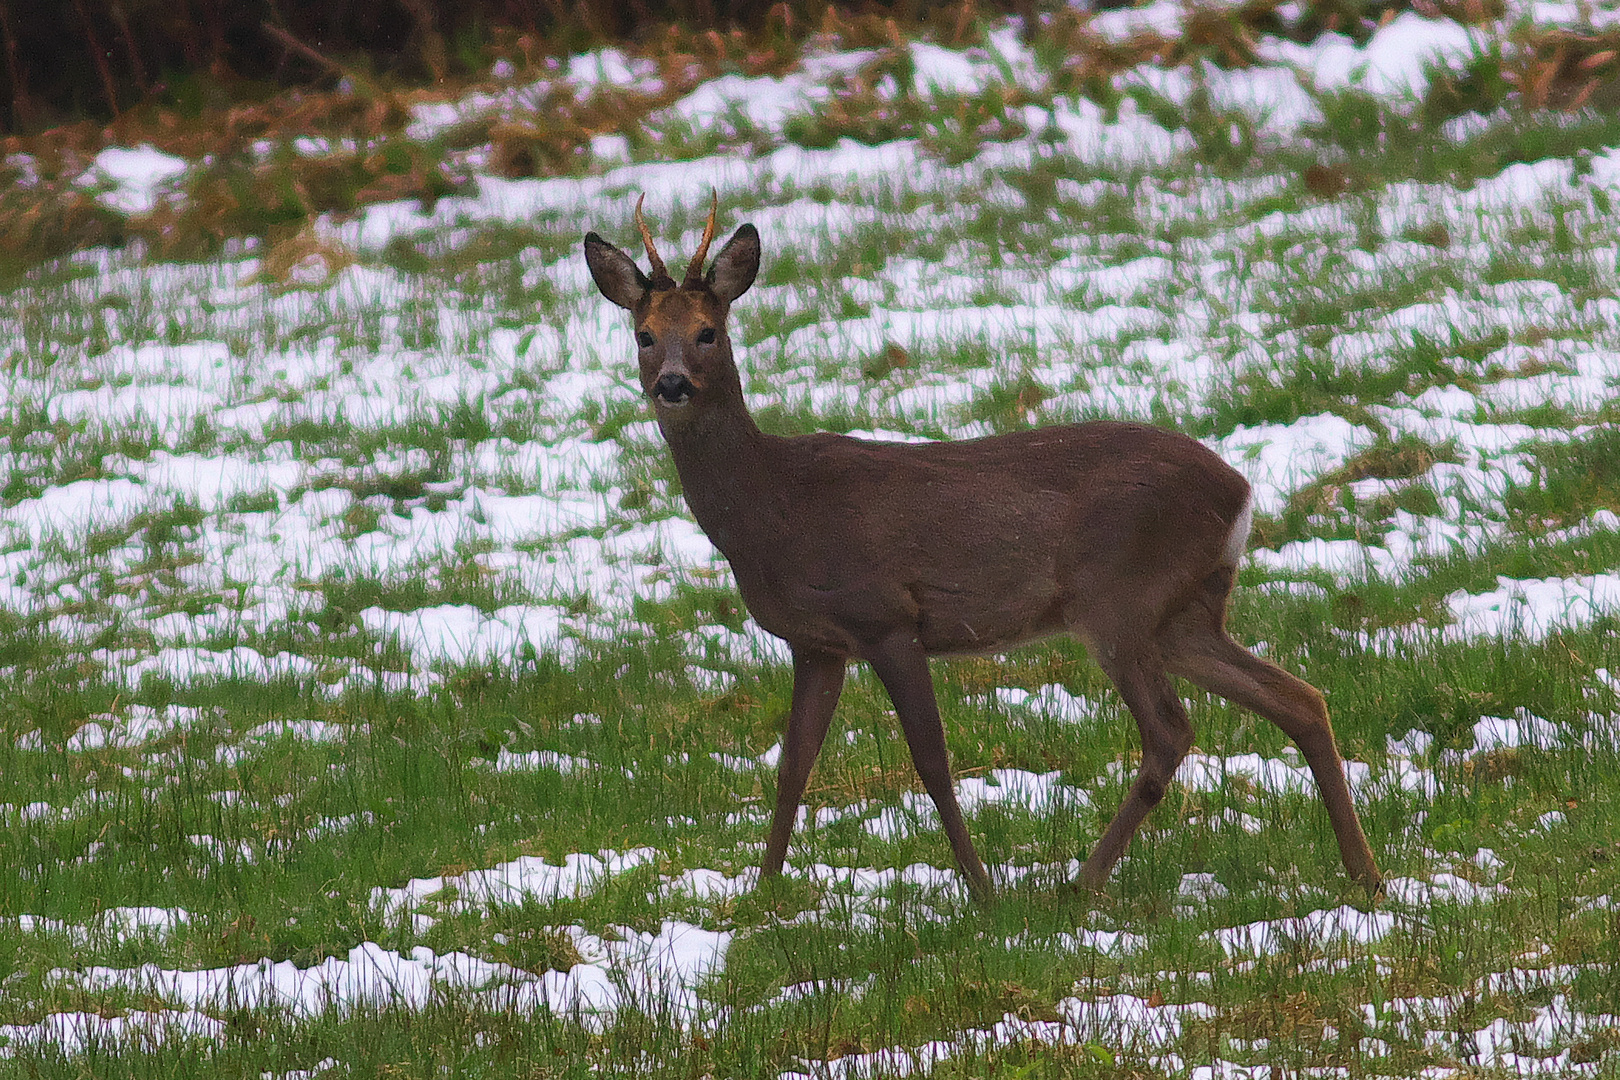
column 1125, row 535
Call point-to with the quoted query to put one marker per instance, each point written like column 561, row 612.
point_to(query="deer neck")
column 721, row 457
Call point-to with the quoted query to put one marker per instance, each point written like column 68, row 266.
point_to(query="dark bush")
column 70, row 58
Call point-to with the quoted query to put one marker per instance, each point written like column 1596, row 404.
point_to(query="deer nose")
column 673, row 389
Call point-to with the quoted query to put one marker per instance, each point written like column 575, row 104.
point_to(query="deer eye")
column 644, row 339
column 706, row 336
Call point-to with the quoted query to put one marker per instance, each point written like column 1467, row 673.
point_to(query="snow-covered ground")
column 259, row 523
column 560, row 494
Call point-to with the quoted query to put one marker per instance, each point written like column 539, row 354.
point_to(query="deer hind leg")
column 1198, row 648
column 818, row 678
column 1139, row 675
column 901, row 665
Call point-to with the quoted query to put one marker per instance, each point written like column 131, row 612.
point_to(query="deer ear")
column 614, row 272
column 736, row 266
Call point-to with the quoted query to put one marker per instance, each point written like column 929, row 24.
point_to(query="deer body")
column 1126, row 535
column 974, row 545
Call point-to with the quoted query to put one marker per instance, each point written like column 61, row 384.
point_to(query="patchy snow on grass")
column 1312, row 932
column 137, row 176
column 1277, row 459
column 1035, row 793
column 74, row 1032
column 529, row 877
column 1531, row 609
column 181, row 512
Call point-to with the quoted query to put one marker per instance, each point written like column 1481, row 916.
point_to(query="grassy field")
column 370, row 705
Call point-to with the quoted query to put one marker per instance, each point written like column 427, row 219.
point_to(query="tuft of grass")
column 1569, row 481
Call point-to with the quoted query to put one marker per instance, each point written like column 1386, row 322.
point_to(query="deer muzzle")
column 673, row 388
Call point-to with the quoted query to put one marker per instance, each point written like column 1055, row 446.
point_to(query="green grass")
column 457, row 365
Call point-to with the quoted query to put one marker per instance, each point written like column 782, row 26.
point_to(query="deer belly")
column 953, row 621
column 799, row 626
column 838, row 620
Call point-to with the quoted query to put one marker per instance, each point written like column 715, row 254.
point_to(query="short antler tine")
column 658, row 270
column 694, row 272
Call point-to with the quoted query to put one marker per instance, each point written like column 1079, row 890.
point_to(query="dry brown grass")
column 248, row 181
column 1565, row 69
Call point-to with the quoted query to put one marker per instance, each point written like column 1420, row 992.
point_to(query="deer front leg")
column 901, row 666
column 818, row 677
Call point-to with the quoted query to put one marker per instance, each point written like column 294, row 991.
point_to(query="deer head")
column 683, row 344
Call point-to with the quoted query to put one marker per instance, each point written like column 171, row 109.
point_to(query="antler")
column 694, row 272
column 658, row 270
